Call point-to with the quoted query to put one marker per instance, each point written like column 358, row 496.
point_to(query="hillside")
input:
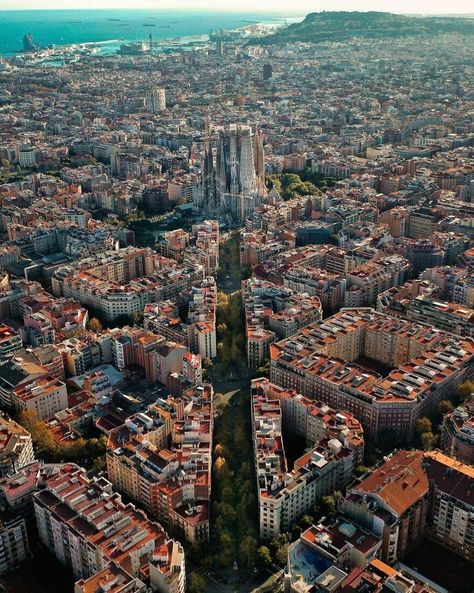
column 339, row 26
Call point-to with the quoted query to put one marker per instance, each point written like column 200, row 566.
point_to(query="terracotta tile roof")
column 400, row 482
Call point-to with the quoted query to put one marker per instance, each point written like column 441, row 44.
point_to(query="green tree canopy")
column 197, row 583
column 423, row 425
column 248, row 548
column 445, row 406
column 428, row 440
column 264, row 556
column 465, row 389
column 328, row 505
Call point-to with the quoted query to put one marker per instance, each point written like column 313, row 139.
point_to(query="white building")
column 285, row 495
column 16, row 447
column 44, row 396
column 27, row 156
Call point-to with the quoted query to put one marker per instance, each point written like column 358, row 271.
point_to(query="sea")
column 109, row 27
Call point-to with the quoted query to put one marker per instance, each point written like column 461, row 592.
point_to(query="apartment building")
column 423, row 254
column 284, row 495
column 301, row 310
column 323, row 555
column 329, row 287
column 457, row 437
column 313, row 420
column 367, row 280
column 205, row 245
column 48, row 357
column 271, row 312
column 39, row 330
column 397, row 220
column 257, row 246
column 396, row 300
column 16, row 447
column 413, row 494
column 339, row 277
column 14, row 547
column 98, row 384
column 112, row 579
column 202, row 318
column 163, row 319
column 421, row 224
column 456, row 284
column 173, row 484
column 393, row 503
column 80, row 354
column 418, row 367
column 448, row 317
column 380, row 577
column 16, row 372
column 451, row 519
column 89, row 529
column 44, row 396
column 10, row 341
column 121, row 283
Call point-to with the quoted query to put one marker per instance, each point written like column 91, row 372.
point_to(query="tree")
column 226, row 548
column 423, row 425
column 360, row 470
column 78, row 450
column 389, row 440
column 248, row 547
column 428, row 440
column 282, row 554
column 95, row 325
column 263, row 556
column 445, row 406
column 197, row 583
column 219, row 450
column 221, row 330
column 136, row 317
column 219, row 464
column 306, row 521
column 273, row 182
column 465, row 389
column 279, row 546
column 328, row 505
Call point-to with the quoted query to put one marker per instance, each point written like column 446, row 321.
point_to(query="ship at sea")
column 29, row 44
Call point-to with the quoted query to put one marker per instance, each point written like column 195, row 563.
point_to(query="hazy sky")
column 288, row 6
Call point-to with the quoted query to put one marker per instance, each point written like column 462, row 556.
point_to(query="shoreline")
column 177, row 42
column 134, row 35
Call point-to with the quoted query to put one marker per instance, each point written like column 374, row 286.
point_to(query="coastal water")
column 64, row 27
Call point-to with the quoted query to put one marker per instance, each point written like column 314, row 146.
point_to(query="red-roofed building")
column 412, row 494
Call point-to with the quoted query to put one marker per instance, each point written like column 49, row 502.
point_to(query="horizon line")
column 295, row 13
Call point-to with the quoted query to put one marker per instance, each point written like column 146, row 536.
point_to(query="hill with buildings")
column 318, row 27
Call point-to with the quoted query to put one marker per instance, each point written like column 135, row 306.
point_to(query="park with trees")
column 88, row 451
column 299, row 183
